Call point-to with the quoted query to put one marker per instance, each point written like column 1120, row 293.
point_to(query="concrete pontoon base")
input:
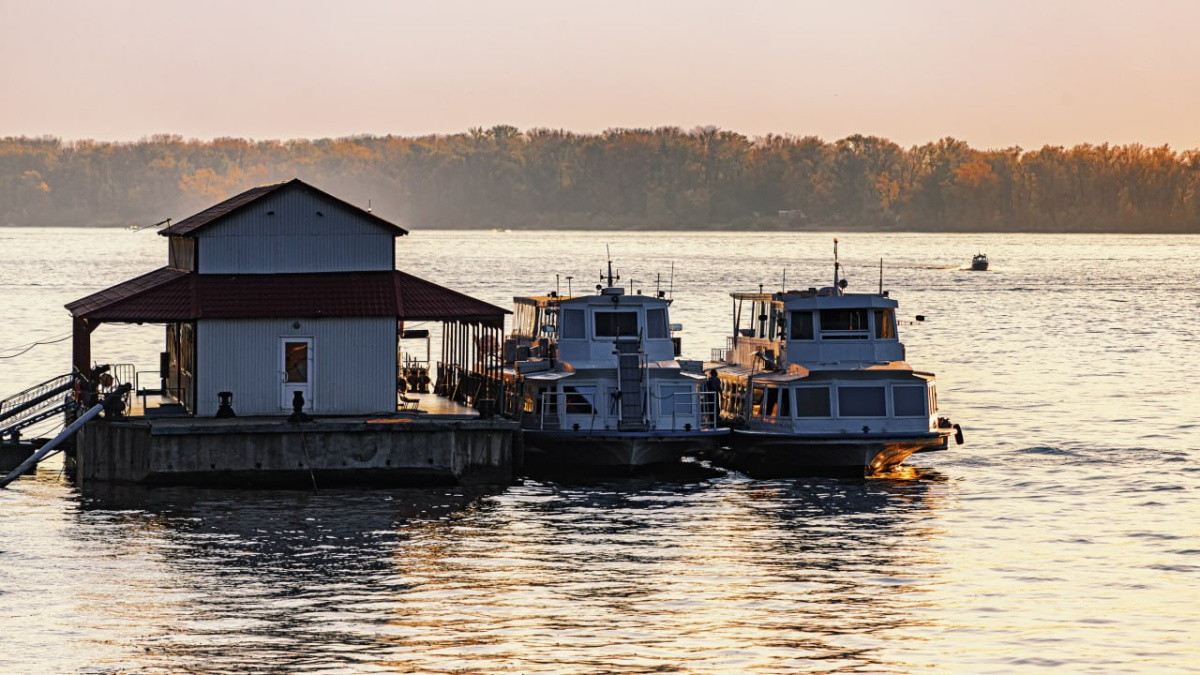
column 272, row 452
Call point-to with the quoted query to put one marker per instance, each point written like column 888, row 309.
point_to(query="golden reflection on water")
column 760, row 578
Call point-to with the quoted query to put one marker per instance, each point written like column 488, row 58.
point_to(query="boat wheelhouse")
column 597, row 384
column 816, row 381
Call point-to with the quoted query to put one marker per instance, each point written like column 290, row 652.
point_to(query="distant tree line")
column 630, row 178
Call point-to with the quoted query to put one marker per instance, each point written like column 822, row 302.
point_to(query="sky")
column 994, row 74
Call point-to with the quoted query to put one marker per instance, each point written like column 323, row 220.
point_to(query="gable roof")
column 169, row 294
column 217, row 212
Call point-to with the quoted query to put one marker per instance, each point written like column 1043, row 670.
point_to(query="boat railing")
column 693, row 409
column 743, row 349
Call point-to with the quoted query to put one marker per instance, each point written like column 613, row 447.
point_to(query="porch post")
column 81, row 345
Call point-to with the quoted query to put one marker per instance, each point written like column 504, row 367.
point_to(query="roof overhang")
column 169, row 295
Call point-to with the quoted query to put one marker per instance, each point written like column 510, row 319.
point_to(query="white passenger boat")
column 597, row 384
column 816, row 381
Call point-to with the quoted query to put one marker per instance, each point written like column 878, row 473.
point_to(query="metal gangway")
column 36, row 404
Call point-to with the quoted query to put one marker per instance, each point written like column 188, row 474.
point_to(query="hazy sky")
column 994, row 74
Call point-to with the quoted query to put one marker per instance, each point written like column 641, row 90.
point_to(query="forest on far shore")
column 664, row 178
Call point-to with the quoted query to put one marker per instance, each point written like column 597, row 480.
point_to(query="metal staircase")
column 630, row 374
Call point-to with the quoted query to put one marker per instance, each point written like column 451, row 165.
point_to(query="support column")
column 81, row 345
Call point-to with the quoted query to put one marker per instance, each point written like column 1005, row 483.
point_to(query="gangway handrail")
column 35, row 395
column 45, row 449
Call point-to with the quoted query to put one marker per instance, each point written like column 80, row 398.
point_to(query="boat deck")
column 428, row 405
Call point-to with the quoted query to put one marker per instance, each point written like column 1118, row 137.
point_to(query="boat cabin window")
column 778, row 402
column 572, row 328
column 885, row 324
column 812, row 402
column 656, row 323
column 677, row 399
column 861, row 402
column 933, row 403
column 801, row 326
column 756, row 401
column 909, row 401
column 614, row 324
column 580, row 400
column 844, row 324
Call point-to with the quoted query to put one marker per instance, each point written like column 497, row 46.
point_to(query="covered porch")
column 462, row 381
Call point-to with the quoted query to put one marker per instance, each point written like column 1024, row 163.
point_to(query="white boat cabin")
column 604, row 361
column 820, row 362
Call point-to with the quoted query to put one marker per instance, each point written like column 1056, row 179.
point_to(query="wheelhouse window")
column 616, row 324
column 909, row 401
column 885, row 324
column 812, row 402
column 801, row 326
column 572, row 328
column 656, row 323
column 844, row 324
column 861, row 402
column 756, row 401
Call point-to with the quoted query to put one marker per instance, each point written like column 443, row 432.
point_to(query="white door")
column 296, row 359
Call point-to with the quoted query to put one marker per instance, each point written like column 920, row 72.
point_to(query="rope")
column 311, row 475
column 31, row 345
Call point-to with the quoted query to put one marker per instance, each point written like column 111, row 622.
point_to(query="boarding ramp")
column 36, row 404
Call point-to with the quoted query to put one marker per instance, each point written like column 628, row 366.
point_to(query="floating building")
column 284, row 318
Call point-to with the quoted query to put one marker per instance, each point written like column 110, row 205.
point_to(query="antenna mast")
column 836, row 265
column 881, row 276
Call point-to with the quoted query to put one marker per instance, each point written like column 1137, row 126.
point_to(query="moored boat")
column 597, row 384
column 816, row 381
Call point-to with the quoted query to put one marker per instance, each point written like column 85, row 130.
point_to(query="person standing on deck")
column 713, row 386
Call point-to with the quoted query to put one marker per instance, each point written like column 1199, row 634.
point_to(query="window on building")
column 861, row 402
column 909, row 401
column 614, row 324
column 572, row 328
column 801, row 326
column 812, row 402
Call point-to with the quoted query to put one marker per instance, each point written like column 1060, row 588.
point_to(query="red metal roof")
column 169, row 294
column 188, row 226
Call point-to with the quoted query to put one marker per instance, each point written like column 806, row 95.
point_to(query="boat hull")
column 770, row 454
column 613, row 451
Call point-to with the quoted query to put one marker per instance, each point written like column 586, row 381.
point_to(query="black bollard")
column 225, row 405
column 298, row 414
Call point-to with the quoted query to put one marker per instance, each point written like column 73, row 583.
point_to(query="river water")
column 1064, row 536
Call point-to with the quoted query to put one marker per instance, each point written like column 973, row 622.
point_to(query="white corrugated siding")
column 354, row 364
column 294, row 239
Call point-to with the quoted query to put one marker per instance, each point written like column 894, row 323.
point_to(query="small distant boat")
column 501, row 229
column 980, row 262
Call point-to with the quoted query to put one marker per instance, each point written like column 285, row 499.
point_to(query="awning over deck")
column 169, row 294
